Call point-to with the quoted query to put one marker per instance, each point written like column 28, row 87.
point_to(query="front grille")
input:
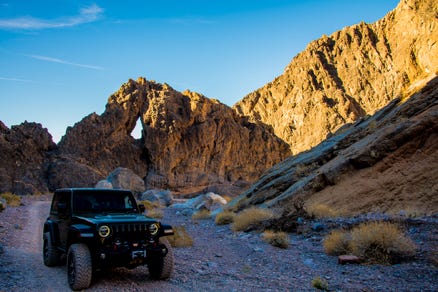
column 129, row 227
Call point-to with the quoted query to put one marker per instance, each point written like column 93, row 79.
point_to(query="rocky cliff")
column 24, row 158
column 340, row 78
column 188, row 142
column 384, row 163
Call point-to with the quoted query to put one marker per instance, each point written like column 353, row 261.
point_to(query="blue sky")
column 60, row 60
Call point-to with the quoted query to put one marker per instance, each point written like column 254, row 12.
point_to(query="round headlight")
column 153, row 228
column 104, row 231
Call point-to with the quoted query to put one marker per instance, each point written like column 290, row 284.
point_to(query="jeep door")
column 61, row 215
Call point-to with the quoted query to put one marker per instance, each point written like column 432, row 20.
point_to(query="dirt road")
column 219, row 260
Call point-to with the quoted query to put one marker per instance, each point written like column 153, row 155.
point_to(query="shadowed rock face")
column 347, row 75
column 24, row 158
column 189, row 141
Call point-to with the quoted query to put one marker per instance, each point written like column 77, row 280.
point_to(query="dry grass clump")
column 320, row 284
column 201, row 215
column 374, row 242
column 225, row 217
column 380, row 242
column 155, row 213
column 12, row 200
column 337, row 243
column 148, row 205
column 180, row 238
column 249, row 217
column 278, row 239
column 322, row 211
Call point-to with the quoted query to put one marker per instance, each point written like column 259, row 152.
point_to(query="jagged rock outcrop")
column 384, row 163
column 189, row 141
column 340, row 78
column 24, row 158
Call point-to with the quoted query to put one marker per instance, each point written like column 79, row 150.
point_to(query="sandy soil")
column 220, row 260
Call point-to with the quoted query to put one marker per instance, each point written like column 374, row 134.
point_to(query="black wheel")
column 51, row 255
column 160, row 268
column 79, row 267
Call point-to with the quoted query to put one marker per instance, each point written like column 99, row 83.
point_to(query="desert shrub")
column 249, row 217
column 276, row 238
column 180, row 238
column 374, row 242
column 201, row 214
column 337, row 243
column 11, row 199
column 155, row 213
column 321, row 211
column 320, row 284
column 225, row 217
column 148, row 205
column 380, row 242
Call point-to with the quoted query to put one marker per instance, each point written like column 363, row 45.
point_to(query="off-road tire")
column 79, row 266
column 51, row 255
column 160, row 268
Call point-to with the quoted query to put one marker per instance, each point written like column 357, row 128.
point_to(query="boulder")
column 164, row 197
column 104, row 184
column 124, row 178
column 209, row 201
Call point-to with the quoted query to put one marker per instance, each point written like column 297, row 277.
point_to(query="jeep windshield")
column 104, row 202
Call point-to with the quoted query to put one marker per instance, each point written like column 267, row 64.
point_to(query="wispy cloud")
column 64, row 62
column 29, row 81
column 17, row 80
column 86, row 15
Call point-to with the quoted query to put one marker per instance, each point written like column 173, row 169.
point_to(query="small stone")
column 318, row 226
column 348, row 259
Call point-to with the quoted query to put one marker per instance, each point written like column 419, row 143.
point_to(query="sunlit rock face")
column 189, row 141
column 347, row 75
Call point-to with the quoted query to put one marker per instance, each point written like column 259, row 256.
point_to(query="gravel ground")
column 219, row 260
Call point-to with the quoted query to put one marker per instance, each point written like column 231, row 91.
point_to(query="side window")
column 128, row 203
column 61, row 203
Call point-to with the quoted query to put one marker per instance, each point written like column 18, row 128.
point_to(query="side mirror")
column 142, row 208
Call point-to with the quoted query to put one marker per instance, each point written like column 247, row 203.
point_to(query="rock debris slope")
column 385, row 163
column 340, row 78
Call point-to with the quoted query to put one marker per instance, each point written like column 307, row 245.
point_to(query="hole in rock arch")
column 137, row 132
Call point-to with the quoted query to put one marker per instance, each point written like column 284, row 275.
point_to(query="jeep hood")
column 114, row 218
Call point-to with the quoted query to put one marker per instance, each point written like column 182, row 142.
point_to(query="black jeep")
column 97, row 228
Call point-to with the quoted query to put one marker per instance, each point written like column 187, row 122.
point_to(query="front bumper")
column 130, row 256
